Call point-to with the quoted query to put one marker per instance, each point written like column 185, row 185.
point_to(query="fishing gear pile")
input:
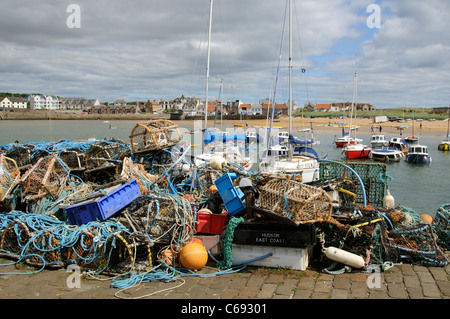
column 129, row 209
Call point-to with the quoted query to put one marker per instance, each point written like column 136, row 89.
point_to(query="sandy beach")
column 430, row 128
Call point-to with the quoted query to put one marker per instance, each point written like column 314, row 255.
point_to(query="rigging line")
column 227, row 47
column 198, row 56
column 276, row 83
column 301, row 50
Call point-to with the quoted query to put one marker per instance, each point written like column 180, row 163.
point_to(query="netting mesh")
column 296, row 201
column 47, row 177
column 373, row 176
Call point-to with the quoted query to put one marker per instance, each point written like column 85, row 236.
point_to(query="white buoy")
column 217, row 162
column 344, row 257
column 388, row 201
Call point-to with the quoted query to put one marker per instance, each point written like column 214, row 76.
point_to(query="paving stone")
column 430, row 290
column 286, row 287
column 267, row 291
column 444, row 287
column 302, row 294
column 397, row 291
column 248, row 292
column 341, row 282
column 425, row 277
column 439, row 274
column 339, row 294
column 411, row 281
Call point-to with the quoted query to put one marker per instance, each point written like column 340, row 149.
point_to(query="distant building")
column 280, row 109
column 43, row 102
column 112, row 109
column 323, row 107
column 152, row 107
column 77, row 103
column 359, row 106
column 12, row 102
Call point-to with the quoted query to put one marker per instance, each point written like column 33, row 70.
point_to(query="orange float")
column 427, row 218
column 193, row 256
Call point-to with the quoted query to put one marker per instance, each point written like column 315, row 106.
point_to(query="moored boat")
column 357, row 151
column 399, row 143
column 418, row 154
column 386, row 154
column 378, row 141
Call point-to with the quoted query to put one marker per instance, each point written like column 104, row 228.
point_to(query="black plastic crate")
column 275, row 234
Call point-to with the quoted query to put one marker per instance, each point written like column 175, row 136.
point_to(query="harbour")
column 432, row 188
column 266, row 239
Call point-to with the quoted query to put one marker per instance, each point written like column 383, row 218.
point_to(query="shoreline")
column 430, row 128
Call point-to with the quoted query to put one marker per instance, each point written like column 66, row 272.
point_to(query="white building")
column 77, row 103
column 13, row 102
column 43, row 102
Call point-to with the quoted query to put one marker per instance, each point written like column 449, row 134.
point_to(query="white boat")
column 304, row 166
column 378, row 141
column 230, row 152
column 346, row 140
column 386, row 154
column 278, row 150
column 399, row 143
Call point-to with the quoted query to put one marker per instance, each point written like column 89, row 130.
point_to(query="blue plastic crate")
column 231, row 196
column 104, row 207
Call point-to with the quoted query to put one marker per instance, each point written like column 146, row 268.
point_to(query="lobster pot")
column 373, row 176
column 9, row 175
column 20, row 154
column 154, row 135
column 299, row 202
column 48, row 176
column 102, row 151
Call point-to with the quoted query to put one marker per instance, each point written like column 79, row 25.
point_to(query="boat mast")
column 290, row 67
column 207, row 61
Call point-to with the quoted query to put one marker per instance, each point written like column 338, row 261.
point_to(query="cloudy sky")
column 152, row 49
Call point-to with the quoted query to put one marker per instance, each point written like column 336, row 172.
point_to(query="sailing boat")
column 218, row 143
column 412, row 139
column 445, row 144
column 302, row 166
column 356, row 150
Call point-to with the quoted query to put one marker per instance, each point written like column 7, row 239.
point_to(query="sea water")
column 422, row 188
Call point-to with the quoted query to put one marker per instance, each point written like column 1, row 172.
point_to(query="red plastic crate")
column 211, row 223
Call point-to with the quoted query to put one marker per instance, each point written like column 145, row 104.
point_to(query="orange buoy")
column 196, row 240
column 193, row 256
column 426, row 218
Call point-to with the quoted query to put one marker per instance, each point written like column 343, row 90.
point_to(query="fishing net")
column 441, row 225
column 161, row 218
column 373, row 176
column 44, row 241
column 296, row 201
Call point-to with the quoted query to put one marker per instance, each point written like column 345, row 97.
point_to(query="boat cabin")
column 418, row 149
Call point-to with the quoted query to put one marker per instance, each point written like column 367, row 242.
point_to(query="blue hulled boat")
column 418, row 154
